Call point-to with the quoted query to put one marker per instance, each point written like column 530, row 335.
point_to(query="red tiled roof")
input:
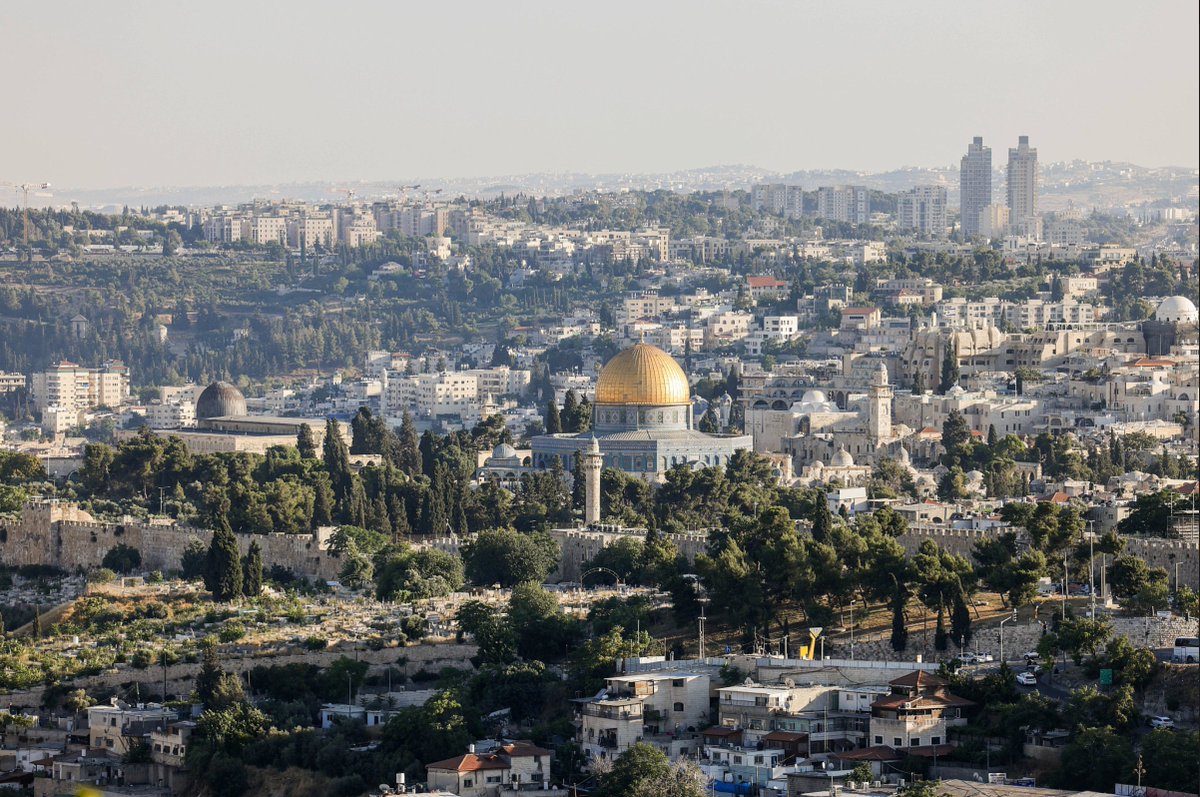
column 879, row 753
column 784, row 736
column 765, row 282
column 859, row 310
column 520, row 749
column 719, row 731
column 918, row 678
column 470, row 763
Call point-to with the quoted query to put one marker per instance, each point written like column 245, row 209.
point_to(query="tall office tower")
column 1022, row 188
column 975, row 184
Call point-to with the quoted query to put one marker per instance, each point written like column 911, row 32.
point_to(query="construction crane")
column 349, row 192
column 25, row 188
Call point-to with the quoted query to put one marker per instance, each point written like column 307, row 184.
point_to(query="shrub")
column 316, row 643
column 102, row 575
column 231, row 632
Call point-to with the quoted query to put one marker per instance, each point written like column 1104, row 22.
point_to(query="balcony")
column 610, row 712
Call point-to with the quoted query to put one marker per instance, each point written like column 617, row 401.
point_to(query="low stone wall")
column 1019, row 636
column 409, row 660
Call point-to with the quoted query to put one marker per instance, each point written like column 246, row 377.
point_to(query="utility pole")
column 702, row 618
column 1092, row 567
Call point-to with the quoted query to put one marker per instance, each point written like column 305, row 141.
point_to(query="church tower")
column 591, row 463
column 879, row 409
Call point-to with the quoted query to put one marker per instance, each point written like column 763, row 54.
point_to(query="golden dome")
column 642, row 375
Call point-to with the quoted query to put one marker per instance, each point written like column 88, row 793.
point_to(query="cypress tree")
column 553, row 420
column 357, row 507
column 950, row 371
column 822, row 519
column 570, row 407
column 337, row 462
column 398, row 511
column 899, row 630
column 306, row 443
column 410, row 446
column 322, row 503
column 940, row 638
column 224, row 565
column 379, row 516
column 252, row 571
column 578, row 486
column 991, row 436
column 960, row 620
column 918, row 387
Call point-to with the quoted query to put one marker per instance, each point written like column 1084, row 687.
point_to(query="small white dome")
column 1177, row 309
column 814, row 397
column 503, row 451
column 903, row 457
column 974, row 475
column 957, row 390
column 841, row 459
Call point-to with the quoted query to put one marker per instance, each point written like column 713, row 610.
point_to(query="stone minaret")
column 591, row 464
column 879, row 413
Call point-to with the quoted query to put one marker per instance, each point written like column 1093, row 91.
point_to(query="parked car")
column 1026, row 679
column 1031, row 655
column 985, row 657
column 1162, row 722
column 967, row 658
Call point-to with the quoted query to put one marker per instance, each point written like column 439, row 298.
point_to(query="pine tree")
column 252, row 571
column 553, row 421
column 306, row 442
column 410, row 446
column 224, row 565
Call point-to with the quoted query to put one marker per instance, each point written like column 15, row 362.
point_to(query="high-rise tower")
column 1023, row 188
column 975, row 184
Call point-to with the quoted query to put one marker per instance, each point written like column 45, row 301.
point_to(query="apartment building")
column 1022, row 186
column 759, row 288
column 851, row 204
column 262, row 230
column 667, row 709
column 73, row 387
column 311, row 229
column 777, row 198
column 10, row 382
column 118, row 727
column 508, row 767
column 919, row 711
column 461, row 393
column 922, row 210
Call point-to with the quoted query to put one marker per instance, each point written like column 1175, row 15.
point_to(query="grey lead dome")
column 220, row 399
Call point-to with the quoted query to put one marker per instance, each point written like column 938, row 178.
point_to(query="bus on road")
column 1187, row 650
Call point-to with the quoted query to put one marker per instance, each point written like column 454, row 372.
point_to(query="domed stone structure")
column 642, row 375
column 642, row 420
column 1177, row 310
column 841, row 459
column 220, row 400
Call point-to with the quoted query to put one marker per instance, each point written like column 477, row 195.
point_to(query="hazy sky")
column 212, row 93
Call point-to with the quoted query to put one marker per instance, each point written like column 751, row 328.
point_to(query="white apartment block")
column 844, row 203
column 262, row 230
column 225, row 228
column 644, row 304
column 10, row 382
column 1023, row 189
column 171, row 416
column 993, row 221
column 923, row 210
column 460, row 393
column 727, row 327
column 312, row 229
column 119, row 727
column 777, row 198
column 71, row 387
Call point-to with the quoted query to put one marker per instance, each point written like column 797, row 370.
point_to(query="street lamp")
column 1013, row 616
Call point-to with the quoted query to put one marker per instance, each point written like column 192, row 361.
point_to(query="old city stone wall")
column 62, row 535
column 1155, row 552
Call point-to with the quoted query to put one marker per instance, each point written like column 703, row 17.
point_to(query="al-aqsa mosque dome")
column 220, row 400
column 642, row 375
